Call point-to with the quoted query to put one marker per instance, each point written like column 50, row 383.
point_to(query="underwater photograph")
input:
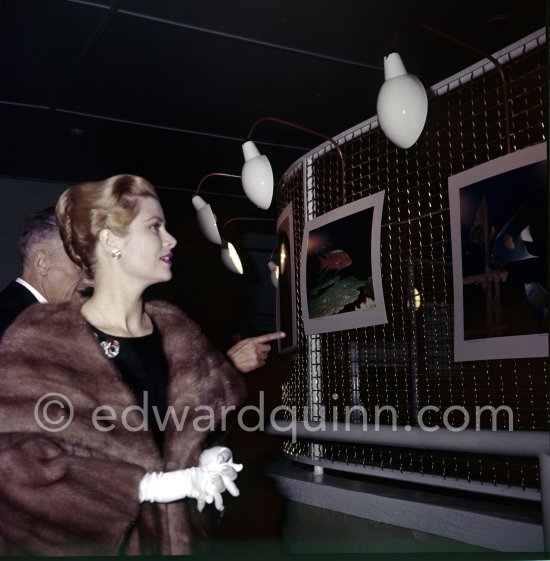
column 504, row 222
column 339, row 267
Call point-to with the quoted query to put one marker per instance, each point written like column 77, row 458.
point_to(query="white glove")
column 196, row 482
column 218, row 461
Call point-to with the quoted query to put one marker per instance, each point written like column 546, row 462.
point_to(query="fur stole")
column 74, row 491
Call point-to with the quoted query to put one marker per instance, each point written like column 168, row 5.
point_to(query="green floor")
column 307, row 530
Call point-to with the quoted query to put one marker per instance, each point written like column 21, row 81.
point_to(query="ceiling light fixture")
column 257, row 175
column 229, row 255
column 206, row 219
column 230, row 258
column 402, row 104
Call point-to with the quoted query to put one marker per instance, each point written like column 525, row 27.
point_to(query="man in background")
column 48, row 274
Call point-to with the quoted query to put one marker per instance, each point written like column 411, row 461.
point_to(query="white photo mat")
column 352, row 232
column 481, row 180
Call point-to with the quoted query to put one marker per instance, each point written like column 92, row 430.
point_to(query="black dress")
column 143, row 366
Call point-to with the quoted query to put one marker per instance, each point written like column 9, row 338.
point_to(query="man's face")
column 64, row 278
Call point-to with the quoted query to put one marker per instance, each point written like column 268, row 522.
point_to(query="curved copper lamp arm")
column 472, row 48
column 310, row 131
column 247, row 218
column 218, row 174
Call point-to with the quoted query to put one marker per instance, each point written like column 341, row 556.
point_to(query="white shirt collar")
column 33, row 290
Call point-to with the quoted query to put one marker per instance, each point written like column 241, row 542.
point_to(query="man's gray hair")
column 37, row 227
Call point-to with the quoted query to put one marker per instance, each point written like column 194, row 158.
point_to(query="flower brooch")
column 111, row 347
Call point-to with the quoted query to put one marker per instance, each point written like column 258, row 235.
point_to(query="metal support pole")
column 355, row 397
column 472, row 441
column 544, row 474
column 414, row 345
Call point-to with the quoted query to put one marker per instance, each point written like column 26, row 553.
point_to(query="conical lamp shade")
column 257, row 176
column 206, row 220
column 231, row 259
column 274, row 274
column 402, row 104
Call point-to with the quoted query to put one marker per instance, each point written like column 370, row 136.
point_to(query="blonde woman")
column 106, row 405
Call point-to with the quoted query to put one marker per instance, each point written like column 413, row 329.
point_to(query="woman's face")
column 146, row 248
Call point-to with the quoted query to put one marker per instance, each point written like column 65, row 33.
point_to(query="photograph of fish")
column 341, row 282
column 500, row 257
column 286, row 285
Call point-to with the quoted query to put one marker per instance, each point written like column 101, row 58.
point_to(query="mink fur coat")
column 75, row 491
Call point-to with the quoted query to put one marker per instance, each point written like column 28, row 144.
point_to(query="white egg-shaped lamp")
column 230, row 258
column 206, row 220
column 257, row 176
column 402, row 104
column 274, row 273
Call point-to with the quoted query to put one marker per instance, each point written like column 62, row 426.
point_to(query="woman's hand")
column 218, row 461
column 251, row 353
column 215, row 474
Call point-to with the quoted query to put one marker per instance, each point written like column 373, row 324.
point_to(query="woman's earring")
column 116, row 254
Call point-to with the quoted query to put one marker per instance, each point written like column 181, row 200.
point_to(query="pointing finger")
column 275, row 336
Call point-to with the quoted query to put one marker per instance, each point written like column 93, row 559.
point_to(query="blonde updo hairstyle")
column 84, row 210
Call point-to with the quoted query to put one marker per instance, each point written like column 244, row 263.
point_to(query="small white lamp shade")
column 257, row 176
column 402, row 104
column 417, row 299
column 206, row 220
column 231, row 259
column 282, row 258
column 274, row 269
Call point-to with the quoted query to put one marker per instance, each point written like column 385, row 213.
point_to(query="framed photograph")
column 340, row 277
column 499, row 235
column 286, row 289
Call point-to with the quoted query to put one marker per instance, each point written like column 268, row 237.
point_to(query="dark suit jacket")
column 13, row 300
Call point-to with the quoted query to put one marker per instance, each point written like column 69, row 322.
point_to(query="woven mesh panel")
column 465, row 127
